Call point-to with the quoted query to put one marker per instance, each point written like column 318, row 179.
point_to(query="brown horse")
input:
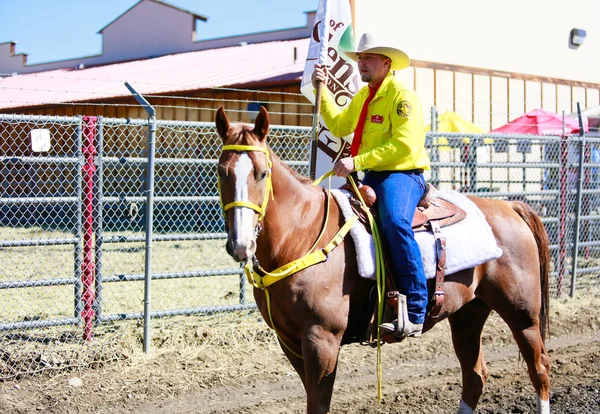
column 274, row 216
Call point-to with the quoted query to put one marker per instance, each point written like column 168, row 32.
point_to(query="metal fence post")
column 78, row 230
column 582, row 148
column 149, row 209
column 435, row 155
column 88, row 266
column 472, row 164
column 562, row 234
column 98, row 230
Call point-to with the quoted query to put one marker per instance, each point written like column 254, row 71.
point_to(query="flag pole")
column 353, row 14
column 314, row 142
column 323, row 33
column 332, row 30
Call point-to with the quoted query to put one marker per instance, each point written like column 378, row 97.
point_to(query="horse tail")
column 543, row 244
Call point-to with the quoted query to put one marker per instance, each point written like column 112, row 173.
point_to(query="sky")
column 50, row 30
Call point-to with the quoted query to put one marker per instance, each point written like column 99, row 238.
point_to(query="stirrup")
column 401, row 327
column 414, row 330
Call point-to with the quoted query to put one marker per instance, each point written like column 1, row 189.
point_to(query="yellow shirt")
column 394, row 133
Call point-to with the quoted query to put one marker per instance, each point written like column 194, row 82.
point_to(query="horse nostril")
column 237, row 251
column 229, row 247
column 240, row 253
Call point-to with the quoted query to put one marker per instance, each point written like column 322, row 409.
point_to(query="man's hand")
column 344, row 166
column 320, row 73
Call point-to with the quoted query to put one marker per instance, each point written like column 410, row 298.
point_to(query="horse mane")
column 303, row 179
column 244, row 135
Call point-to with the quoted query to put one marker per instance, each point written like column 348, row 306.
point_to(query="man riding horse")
column 389, row 146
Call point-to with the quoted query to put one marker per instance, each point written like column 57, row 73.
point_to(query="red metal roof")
column 230, row 66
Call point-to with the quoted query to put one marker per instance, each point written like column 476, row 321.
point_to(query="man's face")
column 373, row 67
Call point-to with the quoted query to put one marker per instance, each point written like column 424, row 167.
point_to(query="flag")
column 331, row 35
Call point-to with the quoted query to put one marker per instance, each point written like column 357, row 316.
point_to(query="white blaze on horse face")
column 244, row 244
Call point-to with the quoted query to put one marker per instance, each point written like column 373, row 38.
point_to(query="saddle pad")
column 469, row 242
column 365, row 246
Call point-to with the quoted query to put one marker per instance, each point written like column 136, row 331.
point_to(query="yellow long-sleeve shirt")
column 394, row 133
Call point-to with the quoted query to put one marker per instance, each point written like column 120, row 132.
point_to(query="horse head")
column 244, row 174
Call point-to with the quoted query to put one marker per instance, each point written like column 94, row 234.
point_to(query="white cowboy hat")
column 371, row 43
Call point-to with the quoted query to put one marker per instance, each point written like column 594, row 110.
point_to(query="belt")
column 415, row 171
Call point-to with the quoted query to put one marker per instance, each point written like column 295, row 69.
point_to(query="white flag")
column 331, row 35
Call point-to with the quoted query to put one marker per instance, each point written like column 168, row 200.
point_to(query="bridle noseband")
column 268, row 190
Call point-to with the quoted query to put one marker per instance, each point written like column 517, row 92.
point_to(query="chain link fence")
column 73, row 224
column 557, row 176
column 191, row 273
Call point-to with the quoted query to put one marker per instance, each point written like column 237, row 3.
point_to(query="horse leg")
column 521, row 314
column 466, row 325
column 320, row 350
column 296, row 361
column 531, row 345
column 318, row 392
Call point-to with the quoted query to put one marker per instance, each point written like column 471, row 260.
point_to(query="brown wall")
column 196, row 106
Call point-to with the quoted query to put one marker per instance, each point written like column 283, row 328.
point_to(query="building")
column 493, row 61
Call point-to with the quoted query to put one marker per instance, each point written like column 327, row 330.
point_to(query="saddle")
column 429, row 209
column 432, row 209
column 432, row 214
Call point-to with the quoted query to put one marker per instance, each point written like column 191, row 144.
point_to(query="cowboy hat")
column 371, row 43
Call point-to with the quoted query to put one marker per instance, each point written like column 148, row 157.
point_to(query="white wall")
column 148, row 29
column 9, row 62
column 524, row 36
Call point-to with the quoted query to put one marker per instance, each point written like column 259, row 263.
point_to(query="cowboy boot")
column 402, row 327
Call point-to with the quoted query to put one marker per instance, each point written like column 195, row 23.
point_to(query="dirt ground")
column 420, row 376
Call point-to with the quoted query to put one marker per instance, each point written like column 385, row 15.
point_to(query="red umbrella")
column 542, row 122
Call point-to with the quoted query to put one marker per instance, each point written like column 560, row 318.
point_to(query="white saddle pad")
column 469, row 243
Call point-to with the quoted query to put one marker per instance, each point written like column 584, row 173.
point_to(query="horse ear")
column 222, row 123
column 261, row 125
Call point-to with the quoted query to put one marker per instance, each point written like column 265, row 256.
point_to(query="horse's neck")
column 292, row 221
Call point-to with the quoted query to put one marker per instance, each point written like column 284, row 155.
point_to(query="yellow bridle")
column 268, row 190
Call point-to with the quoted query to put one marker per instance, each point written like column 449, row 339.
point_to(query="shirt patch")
column 377, row 119
column 404, row 109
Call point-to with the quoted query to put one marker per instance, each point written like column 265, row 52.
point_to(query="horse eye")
column 262, row 175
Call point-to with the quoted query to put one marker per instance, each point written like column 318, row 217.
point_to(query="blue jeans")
column 398, row 194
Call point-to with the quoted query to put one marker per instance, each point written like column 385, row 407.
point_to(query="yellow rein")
column 380, row 266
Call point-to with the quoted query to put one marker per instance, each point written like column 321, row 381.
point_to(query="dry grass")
column 215, row 344
column 187, row 354
column 51, row 350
